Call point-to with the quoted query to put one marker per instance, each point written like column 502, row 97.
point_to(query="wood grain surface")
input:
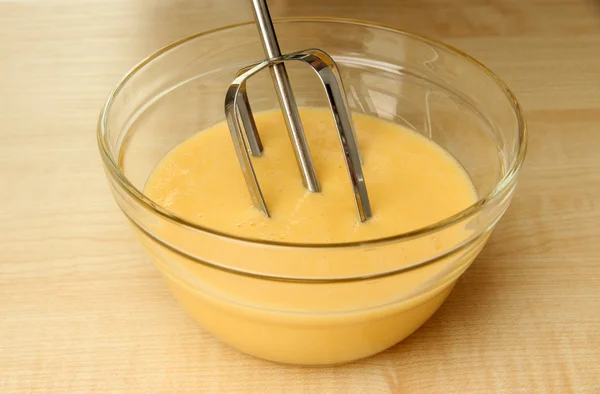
column 81, row 310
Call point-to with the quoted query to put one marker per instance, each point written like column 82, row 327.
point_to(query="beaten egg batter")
column 412, row 183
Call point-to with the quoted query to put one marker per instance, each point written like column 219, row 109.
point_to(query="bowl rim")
column 140, row 198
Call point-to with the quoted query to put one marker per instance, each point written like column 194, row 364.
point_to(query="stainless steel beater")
column 237, row 105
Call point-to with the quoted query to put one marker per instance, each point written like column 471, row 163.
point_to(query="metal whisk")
column 237, row 105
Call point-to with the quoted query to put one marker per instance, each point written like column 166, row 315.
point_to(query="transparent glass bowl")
column 256, row 295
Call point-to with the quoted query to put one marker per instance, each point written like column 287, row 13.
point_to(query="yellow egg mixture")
column 412, row 183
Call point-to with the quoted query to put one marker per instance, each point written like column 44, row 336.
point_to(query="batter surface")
column 411, row 181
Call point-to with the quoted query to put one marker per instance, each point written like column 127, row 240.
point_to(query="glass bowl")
column 258, row 296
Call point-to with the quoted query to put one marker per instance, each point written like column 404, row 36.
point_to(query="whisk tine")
column 285, row 95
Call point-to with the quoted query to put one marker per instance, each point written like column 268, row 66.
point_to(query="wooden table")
column 81, row 310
